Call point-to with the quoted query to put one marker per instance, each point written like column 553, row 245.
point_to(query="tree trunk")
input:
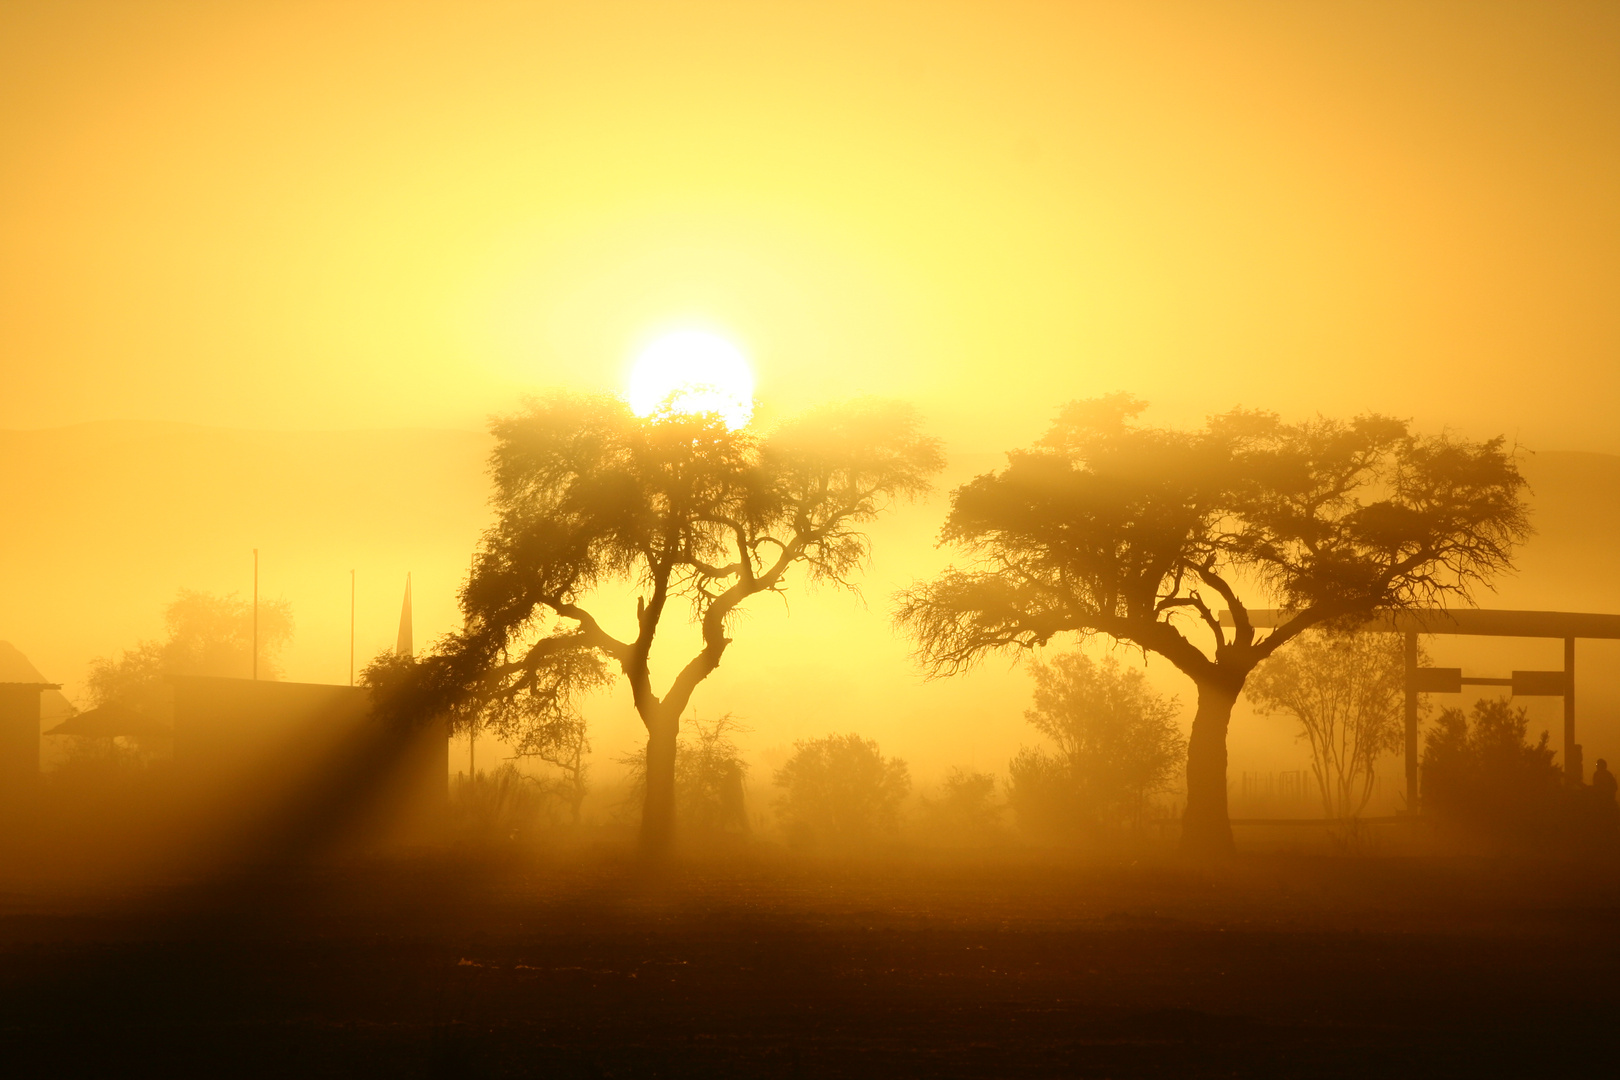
column 576, row 800
column 658, row 813
column 1206, row 828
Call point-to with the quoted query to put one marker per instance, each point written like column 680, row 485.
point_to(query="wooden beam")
column 1470, row 622
column 1572, row 752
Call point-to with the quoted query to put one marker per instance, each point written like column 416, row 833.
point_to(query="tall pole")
column 255, row 614
column 351, row 627
column 1572, row 753
column 1411, row 723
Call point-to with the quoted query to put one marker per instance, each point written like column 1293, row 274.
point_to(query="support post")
column 1572, row 755
column 1411, row 722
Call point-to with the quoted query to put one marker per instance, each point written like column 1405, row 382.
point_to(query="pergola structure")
column 1474, row 622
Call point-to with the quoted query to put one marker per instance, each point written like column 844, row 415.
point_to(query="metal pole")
column 255, row 614
column 351, row 627
column 1411, row 723
column 1572, row 763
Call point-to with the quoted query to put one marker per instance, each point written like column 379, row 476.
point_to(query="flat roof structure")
column 1469, row 622
column 1477, row 622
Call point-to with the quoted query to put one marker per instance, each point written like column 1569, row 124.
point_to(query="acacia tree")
column 1145, row 534
column 677, row 510
column 1346, row 689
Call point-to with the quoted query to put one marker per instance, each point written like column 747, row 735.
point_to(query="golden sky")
column 339, row 215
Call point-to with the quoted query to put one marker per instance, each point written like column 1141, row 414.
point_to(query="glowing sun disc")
column 693, row 371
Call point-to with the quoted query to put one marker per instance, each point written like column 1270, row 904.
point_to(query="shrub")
column 1484, row 777
column 499, row 806
column 965, row 812
column 841, row 791
column 1117, row 745
column 1044, row 796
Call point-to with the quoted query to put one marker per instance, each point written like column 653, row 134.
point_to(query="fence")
column 1292, row 793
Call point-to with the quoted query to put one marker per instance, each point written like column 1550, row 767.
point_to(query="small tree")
column 840, row 789
column 683, row 511
column 1347, row 690
column 1117, row 741
column 1144, row 534
column 205, row 635
column 560, row 740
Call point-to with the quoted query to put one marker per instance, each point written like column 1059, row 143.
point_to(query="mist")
column 1018, row 645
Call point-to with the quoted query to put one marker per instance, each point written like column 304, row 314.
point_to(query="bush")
column 499, row 806
column 1044, row 796
column 1485, row 778
column 965, row 813
column 709, row 775
column 1117, row 746
column 840, row 791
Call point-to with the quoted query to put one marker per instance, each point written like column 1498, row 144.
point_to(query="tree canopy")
column 678, row 509
column 1146, row 534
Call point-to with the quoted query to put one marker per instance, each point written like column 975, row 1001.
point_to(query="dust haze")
column 1143, row 608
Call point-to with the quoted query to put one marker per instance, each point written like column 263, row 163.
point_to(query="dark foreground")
column 757, row 965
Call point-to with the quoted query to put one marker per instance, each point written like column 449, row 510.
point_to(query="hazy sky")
column 336, row 215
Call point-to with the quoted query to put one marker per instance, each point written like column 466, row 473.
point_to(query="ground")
column 761, row 963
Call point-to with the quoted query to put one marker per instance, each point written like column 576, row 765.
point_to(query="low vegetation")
column 839, row 791
column 1115, row 746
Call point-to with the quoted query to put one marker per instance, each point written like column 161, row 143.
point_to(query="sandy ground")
column 759, row 963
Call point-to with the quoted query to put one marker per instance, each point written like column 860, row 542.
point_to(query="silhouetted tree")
column 681, row 510
column 1347, row 691
column 1117, row 743
column 1107, row 527
column 205, row 635
column 840, row 789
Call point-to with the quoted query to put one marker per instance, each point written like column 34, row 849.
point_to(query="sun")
column 693, row 371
